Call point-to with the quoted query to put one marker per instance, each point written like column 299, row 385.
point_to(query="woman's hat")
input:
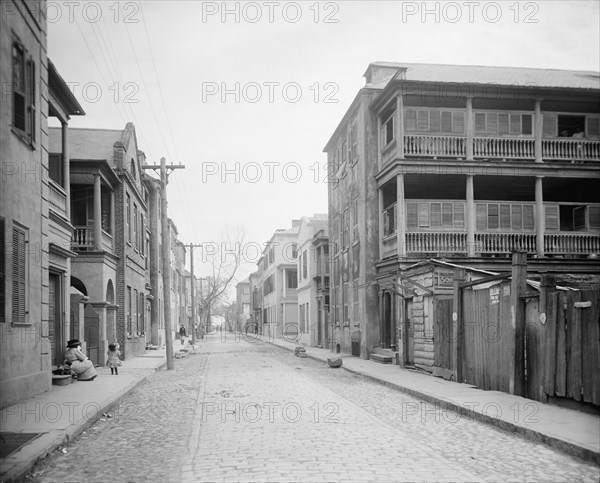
column 112, row 347
column 73, row 343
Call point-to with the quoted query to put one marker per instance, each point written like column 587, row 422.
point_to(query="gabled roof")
column 478, row 74
column 87, row 144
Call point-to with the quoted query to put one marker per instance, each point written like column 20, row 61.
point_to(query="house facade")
column 309, row 327
column 469, row 164
column 242, row 307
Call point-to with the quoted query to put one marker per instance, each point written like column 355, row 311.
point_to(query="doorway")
column 55, row 319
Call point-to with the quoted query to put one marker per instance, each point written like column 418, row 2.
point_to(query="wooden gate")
column 442, row 336
column 92, row 334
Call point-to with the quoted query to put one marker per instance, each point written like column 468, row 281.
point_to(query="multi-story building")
column 279, row 281
column 464, row 163
column 309, row 280
column 256, row 299
column 34, row 210
column 242, row 306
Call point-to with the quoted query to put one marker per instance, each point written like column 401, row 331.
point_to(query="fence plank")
column 550, row 357
column 590, row 354
column 560, row 384
column 574, row 347
column 535, row 351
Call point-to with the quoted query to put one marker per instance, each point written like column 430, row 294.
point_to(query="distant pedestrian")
column 113, row 361
column 182, row 334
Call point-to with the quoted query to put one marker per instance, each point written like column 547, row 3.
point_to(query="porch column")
column 470, row 124
column 400, row 218
column 380, row 218
column 540, row 221
column 537, row 130
column 112, row 216
column 97, row 212
column 66, row 166
column 470, row 217
column 379, row 143
column 399, row 123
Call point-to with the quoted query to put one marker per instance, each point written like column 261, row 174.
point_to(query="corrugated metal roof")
column 476, row 74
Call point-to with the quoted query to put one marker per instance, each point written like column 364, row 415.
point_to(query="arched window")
column 133, row 169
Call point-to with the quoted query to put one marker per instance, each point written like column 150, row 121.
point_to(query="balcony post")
column 470, row 124
column 399, row 127
column 97, row 213
column 380, row 215
column 470, row 217
column 66, row 167
column 112, row 215
column 540, row 221
column 538, row 127
column 400, row 223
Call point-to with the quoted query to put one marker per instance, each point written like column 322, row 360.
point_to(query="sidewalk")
column 63, row 413
column 573, row 432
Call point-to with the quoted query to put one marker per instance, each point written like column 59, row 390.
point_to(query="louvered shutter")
column 31, row 101
column 436, row 215
column 480, row 122
column 526, row 124
column 435, row 119
column 423, row 120
column 516, row 222
column 424, row 215
column 528, row 217
column 592, row 126
column 458, row 122
column 2, row 273
column 594, row 216
column 492, row 123
column 503, row 124
column 481, row 212
column 447, row 215
column 447, row 122
column 18, row 270
column 515, row 124
column 492, row 216
column 410, row 120
column 411, row 216
column 551, row 217
column 549, row 125
column 505, row 217
column 459, row 215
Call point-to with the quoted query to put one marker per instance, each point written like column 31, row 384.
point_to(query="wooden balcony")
column 58, row 198
column 436, row 242
column 435, row 146
column 571, row 243
column 570, row 150
column 503, row 148
column 504, row 243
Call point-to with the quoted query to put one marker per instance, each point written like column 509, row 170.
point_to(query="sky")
column 247, row 94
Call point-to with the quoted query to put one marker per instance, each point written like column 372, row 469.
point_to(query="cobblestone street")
column 250, row 411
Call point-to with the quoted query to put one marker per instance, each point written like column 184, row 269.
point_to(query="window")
column 354, row 144
column 305, row 264
column 133, row 175
column 389, row 221
column 294, row 251
column 128, row 311
column 136, row 312
column 141, row 324
column 503, row 123
column 23, row 87
column 135, row 226
column 2, row 273
column 19, row 275
column 435, row 215
column 355, row 220
column 434, row 121
column 292, row 278
column 128, row 218
column 55, row 169
column 346, row 302
column 142, row 234
column 271, row 255
column 505, row 217
column 388, row 129
column 355, row 308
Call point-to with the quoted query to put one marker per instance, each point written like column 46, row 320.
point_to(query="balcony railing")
column 570, row 150
column 504, row 148
column 434, row 145
column 504, row 242
column 571, row 243
column 436, row 242
column 83, row 238
column 58, row 198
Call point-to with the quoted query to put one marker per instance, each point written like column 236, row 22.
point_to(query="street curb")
column 20, row 469
column 571, row 449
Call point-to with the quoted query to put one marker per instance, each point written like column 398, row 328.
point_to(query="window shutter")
column 423, row 120
column 549, row 125
column 528, row 217
column 446, row 121
column 2, row 272
column 526, row 124
column 19, row 88
column 503, row 124
column 436, row 215
column 515, row 124
column 594, row 216
column 592, row 126
column 551, row 217
column 424, row 215
column 447, row 215
column 18, row 271
column 436, row 120
column 492, row 215
column 492, row 123
column 31, row 101
column 411, row 216
column 458, row 122
column 410, row 119
column 516, row 219
column 505, row 217
column 459, row 215
column 579, row 218
column 480, row 122
column 481, row 218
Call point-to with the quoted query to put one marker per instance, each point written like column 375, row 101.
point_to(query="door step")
column 381, row 358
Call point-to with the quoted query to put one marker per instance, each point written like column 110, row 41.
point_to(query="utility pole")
column 193, row 283
column 166, row 254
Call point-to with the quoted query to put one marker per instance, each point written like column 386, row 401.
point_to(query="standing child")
column 113, row 360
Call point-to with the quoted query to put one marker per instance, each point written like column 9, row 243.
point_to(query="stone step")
column 61, row 380
column 383, row 359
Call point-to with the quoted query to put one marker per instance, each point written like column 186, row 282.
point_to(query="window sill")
column 21, row 324
column 389, row 146
column 24, row 137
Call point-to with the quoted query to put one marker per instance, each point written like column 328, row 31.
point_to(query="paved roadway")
column 244, row 411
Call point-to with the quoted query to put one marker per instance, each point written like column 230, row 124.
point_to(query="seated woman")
column 80, row 364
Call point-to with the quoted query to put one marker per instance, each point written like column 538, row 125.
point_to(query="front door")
column 409, row 334
column 55, row 323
